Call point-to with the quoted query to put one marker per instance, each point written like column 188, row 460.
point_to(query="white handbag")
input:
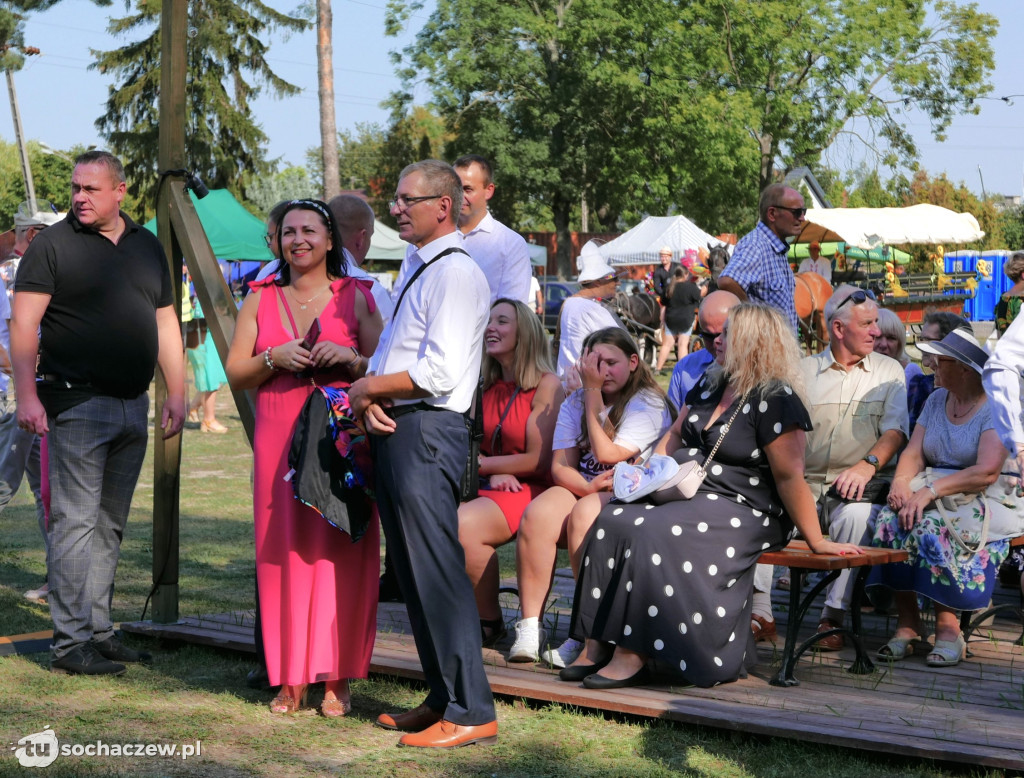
column 663, row 479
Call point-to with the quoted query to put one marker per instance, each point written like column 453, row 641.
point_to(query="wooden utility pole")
column 325, row 80
column 181, row 233
column 19, row 136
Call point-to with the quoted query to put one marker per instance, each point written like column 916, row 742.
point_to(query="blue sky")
column 60, row 98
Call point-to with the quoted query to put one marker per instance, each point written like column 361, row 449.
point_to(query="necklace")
column 303, row 304
column 964, row 412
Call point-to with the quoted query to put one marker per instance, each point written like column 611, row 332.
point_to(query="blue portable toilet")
column 966, row 261
column 990, row 284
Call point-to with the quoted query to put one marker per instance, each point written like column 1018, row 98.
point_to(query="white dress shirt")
column 502, row 254
column 821, row 266
column 437, row 334
column 1002, row 380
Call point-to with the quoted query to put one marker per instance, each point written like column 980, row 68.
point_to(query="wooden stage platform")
column 970, row 714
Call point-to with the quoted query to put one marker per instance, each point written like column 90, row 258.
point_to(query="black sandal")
column 492, row 631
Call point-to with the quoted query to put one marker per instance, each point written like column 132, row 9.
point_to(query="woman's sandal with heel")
column 286, row 703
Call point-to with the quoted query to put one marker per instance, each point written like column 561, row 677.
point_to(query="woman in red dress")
column 521, row 399
column 318, row 589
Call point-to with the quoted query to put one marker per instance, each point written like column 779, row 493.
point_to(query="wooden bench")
column 800, row 560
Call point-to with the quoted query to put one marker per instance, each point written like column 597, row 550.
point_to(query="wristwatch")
column 872, row 460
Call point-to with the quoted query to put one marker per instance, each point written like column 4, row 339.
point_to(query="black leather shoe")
column 116, row 651
column 85, row 660
column 639, row 678
column 389, row 590
column 576, row 673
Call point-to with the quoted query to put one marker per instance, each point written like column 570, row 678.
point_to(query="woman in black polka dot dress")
column 673, row 582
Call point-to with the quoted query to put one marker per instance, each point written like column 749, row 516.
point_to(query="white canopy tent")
column 640, row 245
column 385, row 244
column 868, row 228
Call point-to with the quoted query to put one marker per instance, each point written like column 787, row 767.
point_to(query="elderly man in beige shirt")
column 857, row 400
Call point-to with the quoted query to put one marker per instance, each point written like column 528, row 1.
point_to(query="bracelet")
column 268, row 360
column 356, row 357
column 591, row 388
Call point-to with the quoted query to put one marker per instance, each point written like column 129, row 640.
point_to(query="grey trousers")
column 96, row 453
column 19, row 457
column 418, row 469
column 845, row 522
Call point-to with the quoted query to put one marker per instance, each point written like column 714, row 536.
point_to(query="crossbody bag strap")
column 725, row 429
column 501, row 419
column 419, row 270
column 950, row 521
column 287, row 309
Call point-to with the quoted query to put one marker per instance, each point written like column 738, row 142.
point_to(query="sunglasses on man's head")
column 858, row 297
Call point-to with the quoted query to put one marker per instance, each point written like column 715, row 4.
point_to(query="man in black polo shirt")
column 94, row 302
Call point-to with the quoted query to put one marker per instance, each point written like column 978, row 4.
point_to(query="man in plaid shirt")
column 759, row 269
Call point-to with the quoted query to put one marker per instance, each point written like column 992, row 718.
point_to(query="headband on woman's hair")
column 314, row 205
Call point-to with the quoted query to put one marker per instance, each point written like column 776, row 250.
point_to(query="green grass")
column 192, row 693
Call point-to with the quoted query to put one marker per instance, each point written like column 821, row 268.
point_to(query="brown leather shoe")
column 832, row 642
column 415, row 720
column 762, row 628
column 445, row 734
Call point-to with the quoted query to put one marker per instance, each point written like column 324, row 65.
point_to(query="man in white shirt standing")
column 499, row 251
column 815, row 263
column 356, row 223
column 421, row 381
column 1002, row 380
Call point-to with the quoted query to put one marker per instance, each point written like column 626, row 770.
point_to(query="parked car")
column 555, row 292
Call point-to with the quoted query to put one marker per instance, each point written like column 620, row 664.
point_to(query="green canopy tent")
column 854, row 254
column 233, row 232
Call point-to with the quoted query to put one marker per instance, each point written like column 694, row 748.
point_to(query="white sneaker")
column 529, row 638
column 564, row 655
column 38, row 595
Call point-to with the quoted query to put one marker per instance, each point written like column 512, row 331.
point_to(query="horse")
column 641, row 314
column 718, row 258
column 810, row 295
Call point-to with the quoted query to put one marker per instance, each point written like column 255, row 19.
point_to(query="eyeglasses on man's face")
column 798, row 213
column 404, row 202
column 269, row 238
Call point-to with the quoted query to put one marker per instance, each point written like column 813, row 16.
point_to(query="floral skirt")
column 937, row 568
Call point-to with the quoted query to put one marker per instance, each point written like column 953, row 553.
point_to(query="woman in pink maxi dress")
column 318, row 589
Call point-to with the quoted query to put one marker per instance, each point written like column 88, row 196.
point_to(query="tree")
column 552, row 93
column 227, row 68
column 805, row 72
column 957, row 197
column 13, row 48
column 1011, row 221
column 265, row 192
column 372, row 157
column 325, row 84
column 51, row 171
